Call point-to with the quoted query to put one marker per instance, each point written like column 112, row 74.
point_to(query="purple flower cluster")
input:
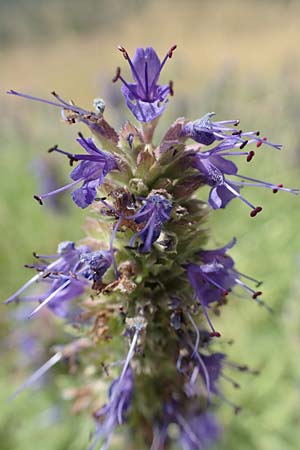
column 66, row 278
column 214, row 167
column 214, row 277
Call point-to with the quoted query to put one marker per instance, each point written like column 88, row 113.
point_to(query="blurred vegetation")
column 238, row 58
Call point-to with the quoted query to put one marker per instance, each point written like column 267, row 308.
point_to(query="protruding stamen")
column 38, row 199
column 256, row 294
column 276, row 190
column 53, row 149
column 250, row 155
column 117, row 75
column 171, row 88
column 243, row 144
column 124, row 51
column 38, row 374
column 215, row 334
column 260, row 142
column 171, row 51
column 255, row 211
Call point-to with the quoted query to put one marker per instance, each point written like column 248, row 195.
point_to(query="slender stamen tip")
column 53, row 149
column 170, row 52
column 237, row 122
column 54, row 93
column 215, row 334
column 38, row 199
column 243, row 144
column 255, row 211
column 250, row 155
column 256, row 294
column 123, row 50
column 35, row 255
column 276, row 190
column 117, row 75
column 171, row 88
column 72, row 160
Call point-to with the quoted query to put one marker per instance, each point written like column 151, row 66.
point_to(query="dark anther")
column 237, row 410
column 215, row 334
column 52, row 149
column 170, row 52
column 122, row 49
column 237, row 132
column 171, row 87
column 225, row 293
column 260, row 142
column 255, row 211
column 236, row 123
column 250, row 155
column 257, row 133
column 175, row 151
column 117, row 76
column 38, row 199
column 276, row 190
column 72, row 160
column 243, row 144
column 129, row 139
column 256, row 294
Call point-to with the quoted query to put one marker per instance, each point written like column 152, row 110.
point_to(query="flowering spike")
column 162, row 294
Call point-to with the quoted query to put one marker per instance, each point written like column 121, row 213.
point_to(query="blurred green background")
column 237, row 58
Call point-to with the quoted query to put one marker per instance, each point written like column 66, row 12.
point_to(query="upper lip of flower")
column 145, row 68
column 145, row 97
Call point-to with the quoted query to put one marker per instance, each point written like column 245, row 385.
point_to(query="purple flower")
column 153, row 214
column 91, row 172
column 114, row 412
column 206, row 132
column 145, row 98
column 215, row 277
column 197, row 430
column 66, row 277
column 215, row 169
column 213, row 369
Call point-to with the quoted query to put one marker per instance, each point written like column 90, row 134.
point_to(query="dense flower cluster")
column 143, row 275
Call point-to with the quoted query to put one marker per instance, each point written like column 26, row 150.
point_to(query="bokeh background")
column 237, row 58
